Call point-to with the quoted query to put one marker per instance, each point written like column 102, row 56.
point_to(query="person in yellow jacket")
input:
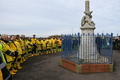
column 48, row 46
column 15, row 46
column 33, row 40
column 29, row 47
column 38, row 44
column 20, row 48
column 23, row 46
column 4, row 73
column 43, row 42
column 59, row 44
column 53, row 44
column 8, row 53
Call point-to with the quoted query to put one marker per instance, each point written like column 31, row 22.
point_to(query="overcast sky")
column 49, row 17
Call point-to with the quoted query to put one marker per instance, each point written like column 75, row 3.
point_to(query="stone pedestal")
column 88, row 48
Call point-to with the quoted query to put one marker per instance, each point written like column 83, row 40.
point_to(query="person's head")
column 4, row 37
column 29, row 38
column 34, row 36
column 12, row 37
column 17, row 36
column 98, row 35
column 23, row 36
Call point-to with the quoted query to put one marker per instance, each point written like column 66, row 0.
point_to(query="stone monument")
column 89, row 58
column 88, row 49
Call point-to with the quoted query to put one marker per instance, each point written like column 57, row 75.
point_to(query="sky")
column 54, row 17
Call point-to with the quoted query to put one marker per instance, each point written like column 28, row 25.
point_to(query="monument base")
column 89, row 56
column 86, row 68
column 101, row 59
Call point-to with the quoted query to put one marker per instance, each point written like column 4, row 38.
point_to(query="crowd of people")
column 16, row 49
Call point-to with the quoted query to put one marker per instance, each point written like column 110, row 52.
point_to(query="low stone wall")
column 86, row 68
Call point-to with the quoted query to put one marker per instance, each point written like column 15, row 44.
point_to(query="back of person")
column 4, row 73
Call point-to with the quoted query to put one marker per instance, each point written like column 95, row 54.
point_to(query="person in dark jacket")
column 98, row 41
column 119, row 43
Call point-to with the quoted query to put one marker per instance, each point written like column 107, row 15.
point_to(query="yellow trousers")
column 9, row 65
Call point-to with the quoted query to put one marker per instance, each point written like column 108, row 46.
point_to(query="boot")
column 11, row 72
column 31, row 55
column 41, row 53
column 46, row 52
column 15, row 70
column 54, row 50
column 12, row 68
column 35, row 54
column 21, row 60
column 18, row 66
column 24, row 59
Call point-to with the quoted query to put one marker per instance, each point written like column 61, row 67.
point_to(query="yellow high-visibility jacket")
column 53, row 43
column 22, row 43
column 38, row 44
column 59, row 42
column 8, row 52
column 12, row 46
column 29, row 45
column 2, row 56
column 43, row 44
column 48, row 43
column 19, row 49
column 33, row 40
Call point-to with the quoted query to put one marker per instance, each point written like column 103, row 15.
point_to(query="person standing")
column 14, row 46
column 33, row 40
column 59, row 44
column 23, row 46
column 19, row 45
column 119, row 43
column 53, row 45
column 8, row 53
column 29, row 47
column 4, row 73
column 98, row 43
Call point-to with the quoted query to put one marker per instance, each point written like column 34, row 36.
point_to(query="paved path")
column 46, row 67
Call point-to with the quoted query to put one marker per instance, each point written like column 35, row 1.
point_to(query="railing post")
column 111, row 51
column 78, row 48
